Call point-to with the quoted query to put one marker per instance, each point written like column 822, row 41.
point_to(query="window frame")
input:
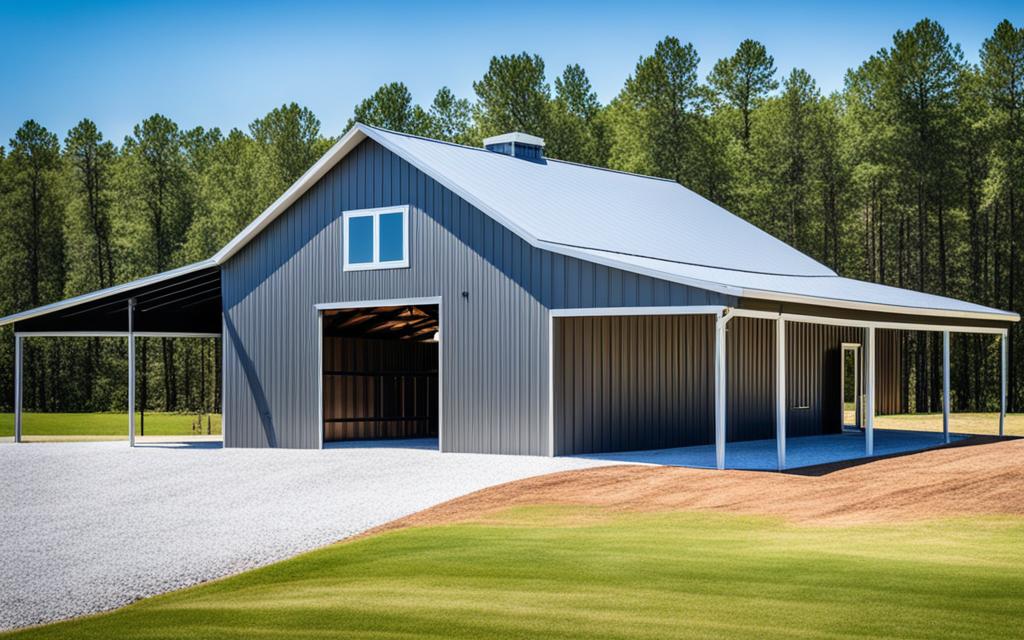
column 376, row 263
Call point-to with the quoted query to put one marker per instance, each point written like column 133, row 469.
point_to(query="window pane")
column 392, row 245
column 360, row 240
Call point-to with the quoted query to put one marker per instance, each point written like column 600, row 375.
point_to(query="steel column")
column 869, row 384
column 720, row 391
column 945, row 386
column 1003, row 359
column 780, row 391
column 131, row 372
column 19, row 381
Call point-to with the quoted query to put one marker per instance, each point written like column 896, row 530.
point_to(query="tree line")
column 911, row 175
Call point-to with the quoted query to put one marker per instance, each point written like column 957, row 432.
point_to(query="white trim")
column 224, row 379
column 113, row 334
column 109, row 291
column 320, row 374
column 858, row 370
column 906, row 326
column 1001, row 316
column 375, row 214
column 319, row 309
column 736, row 312
column 638, row 311
column 387, row 302
column 551, row 381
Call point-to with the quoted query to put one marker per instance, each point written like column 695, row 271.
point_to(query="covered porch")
column 864, row 441
column 180, row 303
column 761, row 385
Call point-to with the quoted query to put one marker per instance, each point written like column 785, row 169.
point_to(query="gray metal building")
column 508, row 303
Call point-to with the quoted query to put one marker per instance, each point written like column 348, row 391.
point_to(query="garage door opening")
column 381, row 373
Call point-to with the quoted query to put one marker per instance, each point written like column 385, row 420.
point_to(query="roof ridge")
column 558, row 160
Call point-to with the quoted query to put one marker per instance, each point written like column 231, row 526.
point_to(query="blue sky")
column 226, row 64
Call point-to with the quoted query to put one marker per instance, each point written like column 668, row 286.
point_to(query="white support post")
column 945, row 387
column 869, row 389
column 1003, row 360
column 780, row 391
column 18, row 383
column 720, row 391
column 131, row 372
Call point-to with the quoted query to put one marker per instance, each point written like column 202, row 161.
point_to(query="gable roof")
column 636, row 223
column 642, row 224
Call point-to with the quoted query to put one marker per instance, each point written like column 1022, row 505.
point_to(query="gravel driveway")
column 87, row 527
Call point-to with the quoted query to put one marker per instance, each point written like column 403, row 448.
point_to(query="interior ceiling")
column 417, row 323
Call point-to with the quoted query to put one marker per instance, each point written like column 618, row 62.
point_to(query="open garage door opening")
column 381, row 373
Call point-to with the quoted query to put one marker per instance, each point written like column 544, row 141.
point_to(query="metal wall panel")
column 750, row 379
column 631, row 383
column 494, row 347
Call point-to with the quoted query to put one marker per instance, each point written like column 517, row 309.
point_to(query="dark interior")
column 380, row 373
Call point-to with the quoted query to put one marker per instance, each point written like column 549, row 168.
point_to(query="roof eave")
column 109, row 291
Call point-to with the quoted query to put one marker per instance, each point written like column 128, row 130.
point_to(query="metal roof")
column 834, row 291
column 636, row 223
column 115, row 292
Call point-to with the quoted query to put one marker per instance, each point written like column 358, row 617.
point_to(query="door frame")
column 364, row 304
column 855, row 347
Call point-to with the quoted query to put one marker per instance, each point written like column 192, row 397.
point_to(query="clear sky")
column 226, row 64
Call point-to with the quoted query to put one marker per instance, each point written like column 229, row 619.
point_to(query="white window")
column 376, row 238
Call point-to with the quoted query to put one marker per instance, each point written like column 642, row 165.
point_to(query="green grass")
column 562, row 572
column 101, row 424
column 977, row 423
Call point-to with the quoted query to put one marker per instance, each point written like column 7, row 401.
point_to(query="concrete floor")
column 761, row 455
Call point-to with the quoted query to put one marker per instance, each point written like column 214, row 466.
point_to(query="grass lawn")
column 101, row 424
column 978, row 423
column 569, row 572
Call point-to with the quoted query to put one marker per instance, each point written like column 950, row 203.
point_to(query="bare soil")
column 983, row 476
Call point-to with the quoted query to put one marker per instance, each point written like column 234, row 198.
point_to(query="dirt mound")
column 986, row 478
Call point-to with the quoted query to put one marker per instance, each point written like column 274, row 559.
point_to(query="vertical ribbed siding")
column 813, row 353
column 888, row 372
column 635, row 382
column 750, row 379
column 494, row 342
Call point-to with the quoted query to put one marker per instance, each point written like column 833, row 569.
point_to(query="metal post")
column 869, row 390
column 18, row 383
column 131, row 372
column 780, row 391
column 720, row 391
column 1003, row 359
column 945, row 386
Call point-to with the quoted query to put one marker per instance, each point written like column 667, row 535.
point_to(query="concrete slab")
column 760, row 455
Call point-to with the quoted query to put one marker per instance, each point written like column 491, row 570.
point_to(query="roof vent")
column 517, row 145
